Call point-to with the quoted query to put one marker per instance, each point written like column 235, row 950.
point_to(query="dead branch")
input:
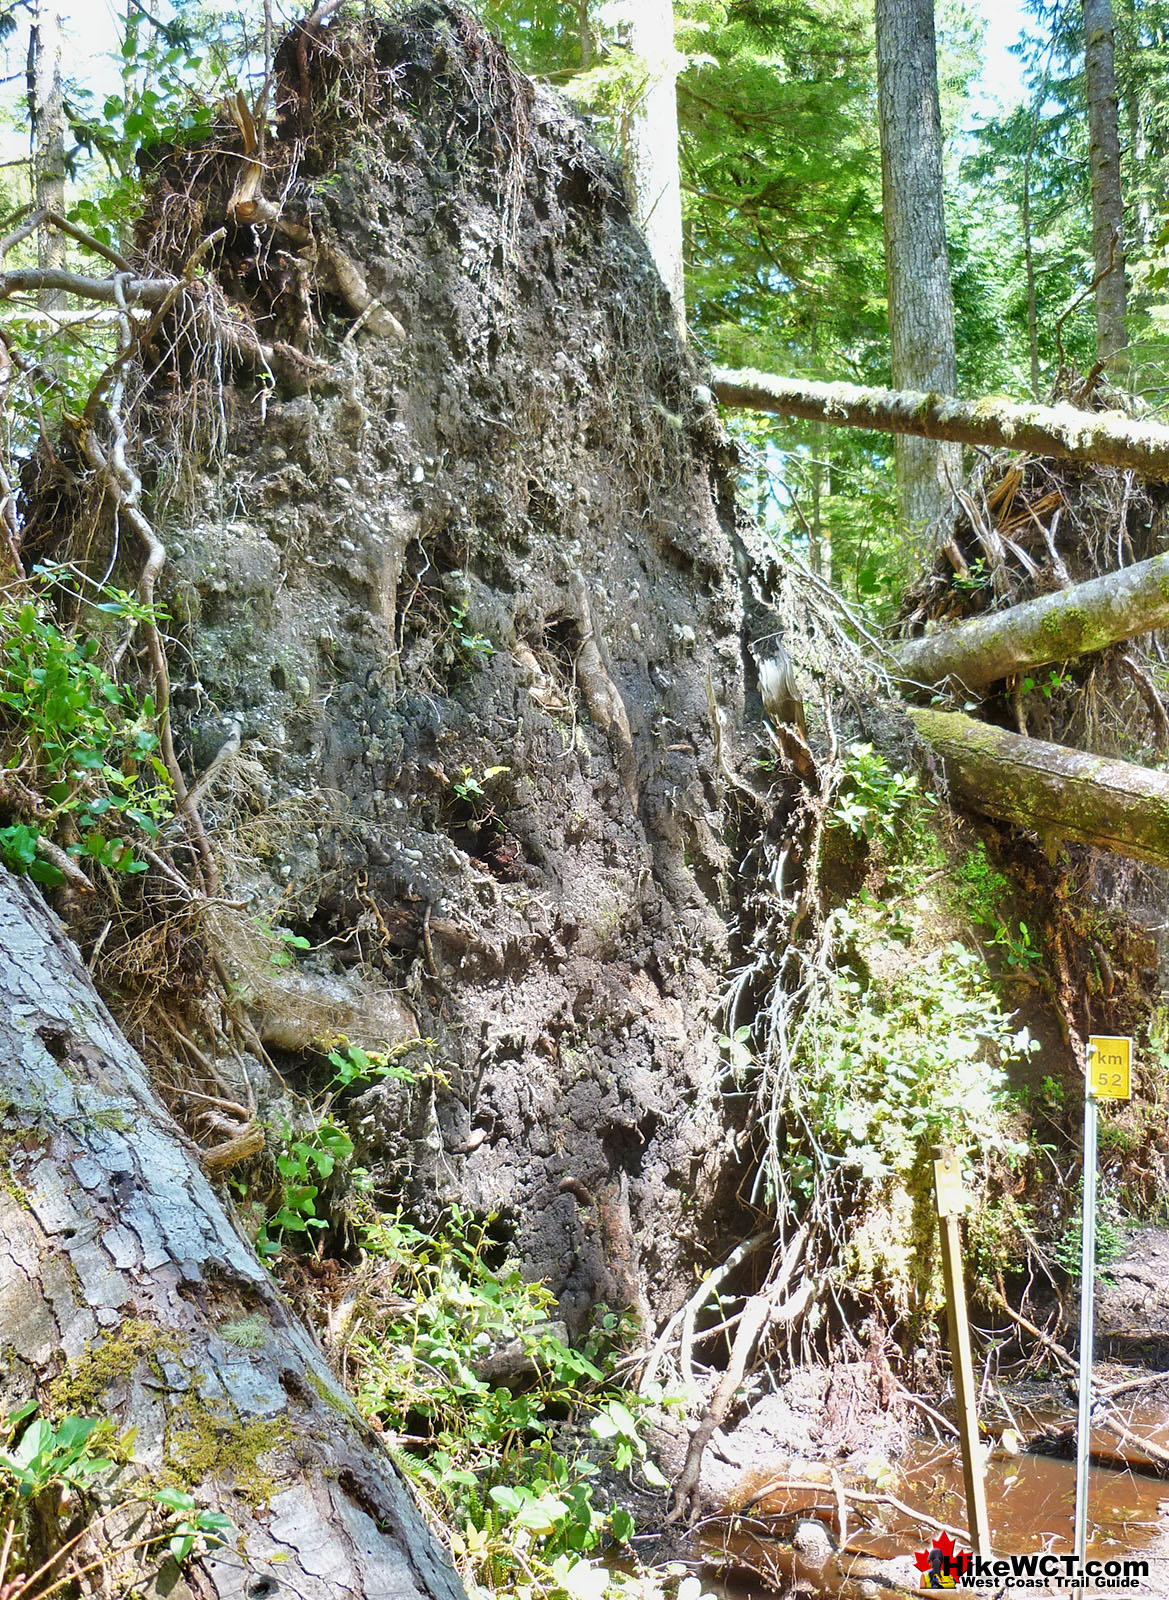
column 697, row 1300
column 227, row 749
column 860, row 1497
column 1071, row 622
column 1108, row 438
column 64, row 864
column 1051, row 788
column 1053, row 1346
column 1148, row 1381
column 761, row 1310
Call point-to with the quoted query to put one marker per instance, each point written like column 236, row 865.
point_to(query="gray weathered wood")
column 105, row 1216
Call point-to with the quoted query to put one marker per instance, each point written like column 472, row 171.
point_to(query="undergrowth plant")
column 55, row 1473
column 511, row 1471
column 874, row 799
column 508, row 1464
column 889, row 1039
column 309, row 1155
column 78, row 750
column 893, row 1066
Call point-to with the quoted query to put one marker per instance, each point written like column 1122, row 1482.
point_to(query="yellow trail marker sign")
column 1110, row 1066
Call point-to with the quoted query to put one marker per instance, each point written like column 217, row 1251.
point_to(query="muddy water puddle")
column 1031, row 1498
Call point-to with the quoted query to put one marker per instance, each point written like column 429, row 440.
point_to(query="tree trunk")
column 651, row 145
column 1072, row 622
column 120, row 1277
column 1107, row 200
column 917, row 266
column 1050, row 789
column 1107, row 438
column 48, row 137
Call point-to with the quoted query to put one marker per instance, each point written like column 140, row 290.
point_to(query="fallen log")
column 1107, row 438
column 1054, row 627
column 1049, row 788
column 121, row 1276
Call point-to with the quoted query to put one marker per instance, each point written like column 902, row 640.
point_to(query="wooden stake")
column 951, row 1204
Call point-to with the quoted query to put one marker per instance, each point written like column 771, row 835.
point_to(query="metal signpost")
column 1109, row 1077
column 951, row 1203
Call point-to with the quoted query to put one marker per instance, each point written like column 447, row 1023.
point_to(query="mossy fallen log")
column 1108, row 438
column 1054, row 627
column 1053, row 790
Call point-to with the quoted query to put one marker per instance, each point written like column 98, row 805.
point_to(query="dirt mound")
column 461, row 569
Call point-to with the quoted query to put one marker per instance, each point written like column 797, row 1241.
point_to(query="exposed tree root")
column 762, row 1310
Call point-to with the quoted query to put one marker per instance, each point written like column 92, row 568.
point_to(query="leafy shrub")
column 53, row 1465
column 519, row 1500
column 82, row 746
column 873, row 799
column 920, row 1059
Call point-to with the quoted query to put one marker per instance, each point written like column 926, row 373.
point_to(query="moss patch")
column 321, row 1389
column 112, row 1362
column 210, row 1442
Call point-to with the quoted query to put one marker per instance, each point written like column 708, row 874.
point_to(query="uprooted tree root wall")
column 450, row 543
column 460, row 609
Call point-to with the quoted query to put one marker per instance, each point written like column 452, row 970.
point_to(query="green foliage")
column 873, row 799
column 490, row 1460
column 1021, row 955
column 471, row 789
column 170, row 86
column 282, row 943
column 77, row 739
column 305, row 1162
column 737, row 1047
column 888, row 1068
column 308, row 1159
column 353, row 1065
column 476, row 649
column 978, row 887
column 1047, row 686
column 47, row 1467
column 45, row 1454
column 1110, row 1238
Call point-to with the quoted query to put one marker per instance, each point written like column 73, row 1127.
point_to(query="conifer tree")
column 917, row 267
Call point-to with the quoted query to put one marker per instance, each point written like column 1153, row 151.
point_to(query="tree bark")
column 1049, row 788
column 1107, row 438
column 108, row 1225
column 1107, row 198
column 1071, row 622
column 917, row 264
column 651, row 145
column 48, row 137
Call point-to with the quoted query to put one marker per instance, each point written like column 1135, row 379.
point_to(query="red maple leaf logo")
column 945, row 1544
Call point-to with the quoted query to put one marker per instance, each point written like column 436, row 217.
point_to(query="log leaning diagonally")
column 1049, row 788
column 121, row 1277
column 1107, row 437
column 1054, row 627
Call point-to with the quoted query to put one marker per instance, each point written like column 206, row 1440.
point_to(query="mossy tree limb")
column 1049, row 788
column 1055, row 627
column 1106, row 438
column 123, row 1286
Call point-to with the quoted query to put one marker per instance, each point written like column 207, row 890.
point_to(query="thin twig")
column 858, row 1496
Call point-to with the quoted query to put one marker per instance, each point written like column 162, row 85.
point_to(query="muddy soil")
column 470, row 600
